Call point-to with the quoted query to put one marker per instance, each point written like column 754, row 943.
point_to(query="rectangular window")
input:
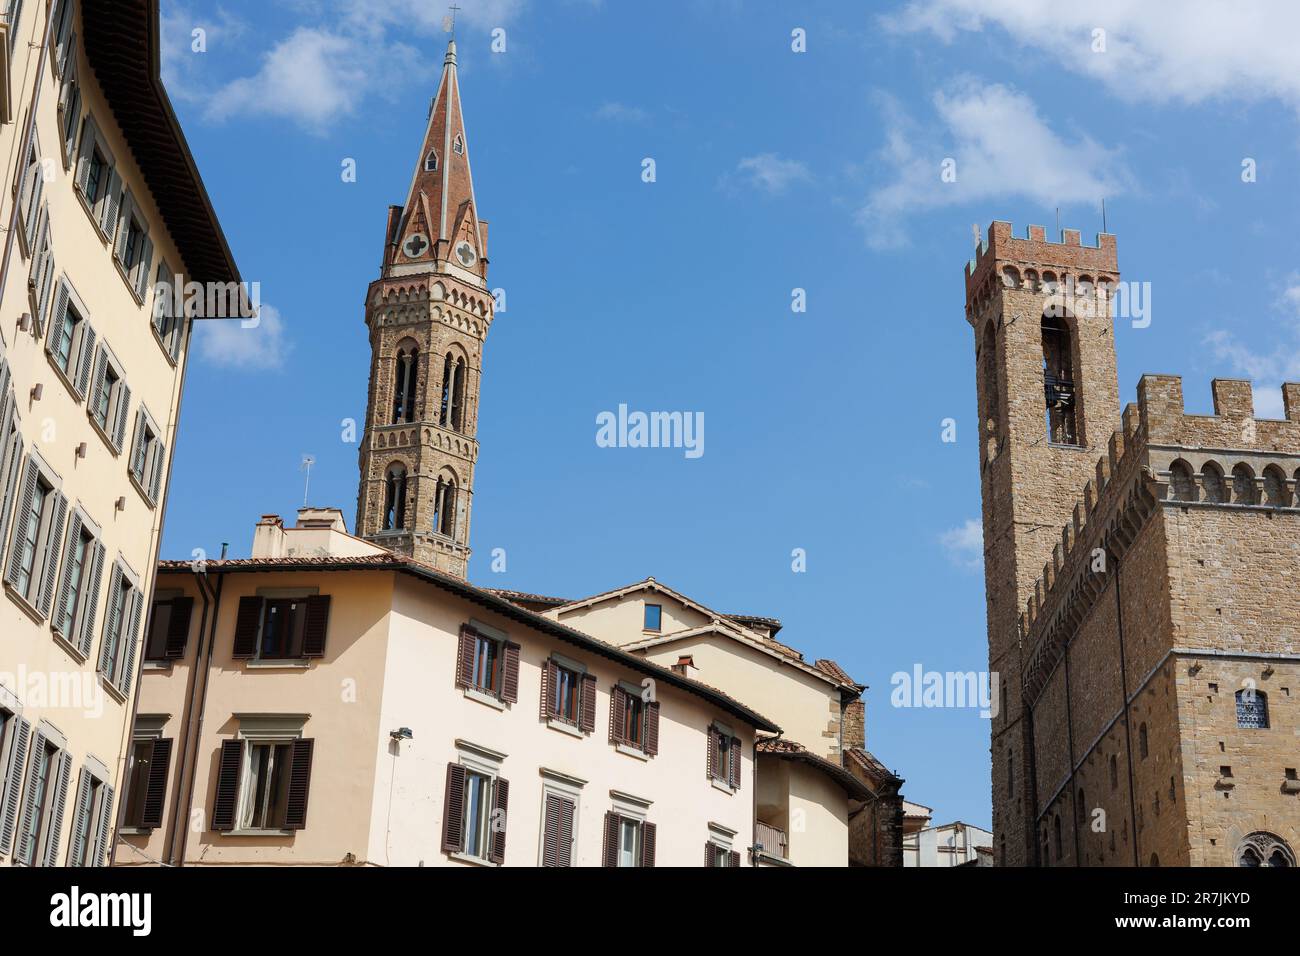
column 166, row 311
column 38, row 802
column 147, row 457
column 283, row 624
column 30, row 193
column 76, row 574
column 169, row 627
column 133, row 248
column 86, row 836
column 629, row 842
column 64, row 337
column 477, row 820
column 109, row 399
column 30, row 522
column 96, row 176
column 119, row 603
column 137, row 781
column 653, row 616
column 634, row 721
column 487, row 664
column 266, row 786
column 566, row 694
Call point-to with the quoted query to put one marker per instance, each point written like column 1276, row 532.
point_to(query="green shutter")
column 80, row 818
column 13, row 784
column 104, row 834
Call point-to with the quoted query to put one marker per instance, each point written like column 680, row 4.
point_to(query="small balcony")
column 773, row 840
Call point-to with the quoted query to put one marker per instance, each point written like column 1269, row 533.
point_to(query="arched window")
column 1058, row 382
column 1264, row 849
column 1182, row 483
column 1252, row 709
column 1114, row 773
column 444, row 410
column 458, row 145
column 458, row 397
column 1275, row 488
column 431, row 161
column 1056, row 834
column 1243, row 485
column 395, row 499
column 405, row 376
column 1142, row 741
column 988, row 361
column 1212, row 482
column 1010, row 277
column 444, row 506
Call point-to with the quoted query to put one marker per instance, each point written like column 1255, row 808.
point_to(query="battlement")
column 1233, row 424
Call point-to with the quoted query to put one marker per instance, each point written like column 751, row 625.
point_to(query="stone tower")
column 1048, row 403
column 428, row 314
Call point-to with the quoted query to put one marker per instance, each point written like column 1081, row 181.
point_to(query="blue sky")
column 775, row 170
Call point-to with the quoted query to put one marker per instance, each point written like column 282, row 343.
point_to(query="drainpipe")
column 187, row 727
column 203, row 707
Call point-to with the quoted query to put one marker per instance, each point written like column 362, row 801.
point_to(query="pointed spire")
column 439, row 229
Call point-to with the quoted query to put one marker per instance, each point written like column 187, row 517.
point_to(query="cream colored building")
column 102, row 197
column 328, row 702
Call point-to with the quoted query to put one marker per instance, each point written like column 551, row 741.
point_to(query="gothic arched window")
column 395, row 499
column 1275, row 489
column 1212, row 482
column 1182, row 483
column 444, row 506
column 1252, row 709
column 405, row 377
column 988, row 360
column 431, row 161
column 1243, row 485
column 458, row 396
column 1262, row 848
column 1058, row 382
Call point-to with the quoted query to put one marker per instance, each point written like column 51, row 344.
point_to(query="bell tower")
column 1048, row 403
column 428, row 315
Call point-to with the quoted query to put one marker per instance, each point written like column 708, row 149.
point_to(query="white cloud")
column 228, row 343
column 771, row 174
column 1001, row 147
column 1269, row 368
column 621, row 112
column 964, row 545
column 1158, row 50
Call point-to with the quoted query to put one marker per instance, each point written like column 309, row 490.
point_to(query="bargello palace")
column 1140, row 572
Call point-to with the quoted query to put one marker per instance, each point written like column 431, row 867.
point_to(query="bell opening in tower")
column 1058, row 383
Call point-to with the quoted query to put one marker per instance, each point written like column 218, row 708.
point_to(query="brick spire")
column 438, row 228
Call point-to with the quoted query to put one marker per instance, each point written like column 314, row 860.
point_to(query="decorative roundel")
column 465, row 253
column 416, row 245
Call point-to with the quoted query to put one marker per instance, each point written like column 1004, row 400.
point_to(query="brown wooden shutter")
column 227, row 794
column 549, row 673
column 510, row 679
column 316, row 625
column 551, row 831
column 155, row 793
column 709, row 855
column 733, row 859
column 647, row 844
column 564, row 854
column 295, row 809
column 247, row 623
column 465, row 656
column 652, row 728
column 178, row 626
column 735, row 763
column 500, row 814
column 713, row 754
column 617, row 714
column 587, row 716
column 453, row 810
column 609, row 855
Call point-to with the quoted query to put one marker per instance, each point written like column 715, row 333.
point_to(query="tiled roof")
column 871, row 766
column 492, row 601
column 789, row 750
column 828, row 666
column 517, row 596
column 769, row 622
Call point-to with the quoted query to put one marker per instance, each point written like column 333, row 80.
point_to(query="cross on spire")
column 449, row 21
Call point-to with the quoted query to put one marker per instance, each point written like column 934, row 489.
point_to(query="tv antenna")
column 307, row 462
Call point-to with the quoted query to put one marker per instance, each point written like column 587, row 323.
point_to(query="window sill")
column 278, row 664
column 564, row 727
column 111, row 688
column 632, row 751
column 157, row 666
column 108, row 440
column 140, row 488
column 474, row 860
column 23, row 603
column 69, row 647
column 135, row 831
column 723, row 786
column 167, row 352
column 130, row 286
column 483, row 697
column 259, row 833
column 94, row 219
column 63, row 376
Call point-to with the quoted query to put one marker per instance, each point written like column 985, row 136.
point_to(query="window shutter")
column 53, row 544
column 713, row 754
column 155, row 793
column 453, row 810
column 80, row 819
column 544, row 700
column 135, row 464
column 12, row 469
column 247, row 622
column 178, row 627
column 652, row 728
column 617, row 714
column 647, row 844
column 86, row 357
column 568, row 812
column 88, row 137
column 54, row 340
column 119, row 427
column 106, row 651
column 317, row 624
column 735, row 763
column 510, row 680
column 227, row 793
column 709, row 855
column 551, row 831
column 95, row 569
column 465, row 656
column 733, row 859
column 295, row 811
column 112, row 200
column 500, row 817
column 73, row 106
column 609, row 855
column 587, row 714
column 142, row 268
column 13, row 784
column 132, row 638
column 31, row 798
column 103, row 839
column 97, row 387
column 155, row 480
column 24, row 506
column 56, row 813
column 548, row 696
column 65, row 584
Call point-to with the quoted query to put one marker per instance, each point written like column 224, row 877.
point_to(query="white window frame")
column 262, row 730
column 102, row 212
column 84, row 337
column 100, row 777
column 53, row 738
column 29, row 596
column 172, row 339
column 119, row 400
column 80, row 622
column 128, row 629
column 147, row 729
column 559, row 784
column 148, row 480
column 485, row 762
column 136, row 274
